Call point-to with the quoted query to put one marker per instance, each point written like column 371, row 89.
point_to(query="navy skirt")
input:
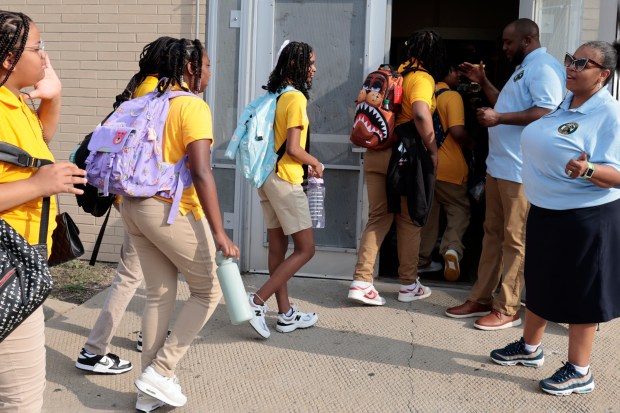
column 572, row 263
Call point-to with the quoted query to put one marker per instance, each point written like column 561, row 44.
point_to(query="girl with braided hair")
column 190, row 243
column 94, row 355
column 426, row 62
column 285, row 206
column 24, row 63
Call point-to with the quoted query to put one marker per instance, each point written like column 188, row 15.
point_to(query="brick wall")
column 94, row 46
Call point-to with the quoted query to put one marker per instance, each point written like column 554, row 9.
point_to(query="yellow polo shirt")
column 290, row 113
column 452, row 166
column 189, row 120
column 417, row 86
column 148, row 85
column 19, row 126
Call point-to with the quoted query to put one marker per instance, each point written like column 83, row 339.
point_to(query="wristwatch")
column 589, row 172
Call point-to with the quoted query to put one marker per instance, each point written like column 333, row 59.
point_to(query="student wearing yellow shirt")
column 24, row 63
column 189, row 244
column 94, row 356
column 285, row 206
column 451, row 184
column 425, row 62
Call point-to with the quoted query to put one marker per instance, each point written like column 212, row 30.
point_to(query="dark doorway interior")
column 472, row 31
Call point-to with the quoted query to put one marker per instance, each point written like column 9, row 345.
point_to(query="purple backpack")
column 126, row 152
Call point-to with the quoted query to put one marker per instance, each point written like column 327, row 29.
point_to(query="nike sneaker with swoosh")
column 368, row 295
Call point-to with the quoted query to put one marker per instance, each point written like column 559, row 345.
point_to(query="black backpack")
column 440, row 134
column 92, row 200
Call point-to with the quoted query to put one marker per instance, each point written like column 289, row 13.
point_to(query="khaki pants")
column 503, row 246
column 186, row 246
column 22, row 366
column 453, row 199
column 380, row 221
column 127, row 280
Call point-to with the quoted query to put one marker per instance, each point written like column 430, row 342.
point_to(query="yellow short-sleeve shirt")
column 148, row 85
column 417, row 86
column 19, row 126
column 452, row 166
column 290, row 113
column 189, row 120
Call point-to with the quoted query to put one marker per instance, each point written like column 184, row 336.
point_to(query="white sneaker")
column 258, row 322
column 166, row 389
column 452, row 270
column 407, row 294
column 432, row 267
column 297, row 320
column 368, row 295
column 146, row 403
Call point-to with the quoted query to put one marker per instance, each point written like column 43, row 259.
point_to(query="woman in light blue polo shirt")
column 571, row 177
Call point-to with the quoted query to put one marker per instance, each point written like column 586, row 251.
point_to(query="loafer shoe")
column 497, row 321
column 468, row 309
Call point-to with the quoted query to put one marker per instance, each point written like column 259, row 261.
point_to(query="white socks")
column 361, row 284
column 581, row 370
column 531, row 348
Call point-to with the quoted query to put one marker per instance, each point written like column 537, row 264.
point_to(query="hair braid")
column 149, row 62
column 172, row 66
column 292, row 69
column 429, row 50
column 14, row 29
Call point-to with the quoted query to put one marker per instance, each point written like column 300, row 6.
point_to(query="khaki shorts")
column 284, row 205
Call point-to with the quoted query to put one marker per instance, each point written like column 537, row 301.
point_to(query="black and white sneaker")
column 108, row 364
column 297, row 320
column 139, row 343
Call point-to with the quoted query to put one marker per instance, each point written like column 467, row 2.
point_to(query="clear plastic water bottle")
column 232, row 287
column 316, row 201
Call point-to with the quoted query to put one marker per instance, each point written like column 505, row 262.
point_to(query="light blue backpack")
column 253, row 139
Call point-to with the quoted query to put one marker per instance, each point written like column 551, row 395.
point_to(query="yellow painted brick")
column 80, row 18
column 97, row 65
column 100, row 28
column 100, row 9
column 62, row 28
column 80, row 37
column 138, row 27
column 118, row 56
column 78, row 92
column 116, row 37
column 100, row 46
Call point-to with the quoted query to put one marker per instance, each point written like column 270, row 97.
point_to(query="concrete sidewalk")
column 396, row 358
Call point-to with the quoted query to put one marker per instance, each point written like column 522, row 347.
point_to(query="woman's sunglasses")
column 40, row 49
column 579, row 64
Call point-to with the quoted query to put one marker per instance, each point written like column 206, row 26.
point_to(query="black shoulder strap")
column 412, row 68
column 440, row 91
column 282, row 149
column 17, row 156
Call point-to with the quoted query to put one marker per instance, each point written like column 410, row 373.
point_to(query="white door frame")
column 328, row 262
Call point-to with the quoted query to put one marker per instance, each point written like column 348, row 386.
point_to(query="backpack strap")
column 17, row 156
column 440, row 91
column 282, row 149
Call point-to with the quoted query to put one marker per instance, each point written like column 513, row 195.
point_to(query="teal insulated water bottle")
column 235, row 296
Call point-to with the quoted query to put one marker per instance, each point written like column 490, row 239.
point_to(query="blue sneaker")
column 567, row 380
column 515, row 353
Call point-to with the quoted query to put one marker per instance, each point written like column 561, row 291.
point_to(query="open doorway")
column 473, row 32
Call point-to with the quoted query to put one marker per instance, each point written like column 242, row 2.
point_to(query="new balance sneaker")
column 567, row 380
column 515, row 353
column 368, row 295
column 165, row 389
column 108, row 364
column 432, row 267
column 139, row 342
column 146, row 403
column 407, row 294
column 452, row 269
column 258, row 321
column 297, row 320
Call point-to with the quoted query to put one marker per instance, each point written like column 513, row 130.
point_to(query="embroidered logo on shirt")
column 568, row 128
column 518, row 76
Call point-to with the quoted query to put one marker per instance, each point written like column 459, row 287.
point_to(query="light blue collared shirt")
column 539, row 81
column 550, row 142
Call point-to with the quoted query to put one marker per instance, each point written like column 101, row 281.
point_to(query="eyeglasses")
column 39, row 49
column 579, row 64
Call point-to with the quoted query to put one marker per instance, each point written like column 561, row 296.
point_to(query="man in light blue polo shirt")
column 533, row 90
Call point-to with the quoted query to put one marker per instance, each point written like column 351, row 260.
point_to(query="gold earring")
column 600, row 85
